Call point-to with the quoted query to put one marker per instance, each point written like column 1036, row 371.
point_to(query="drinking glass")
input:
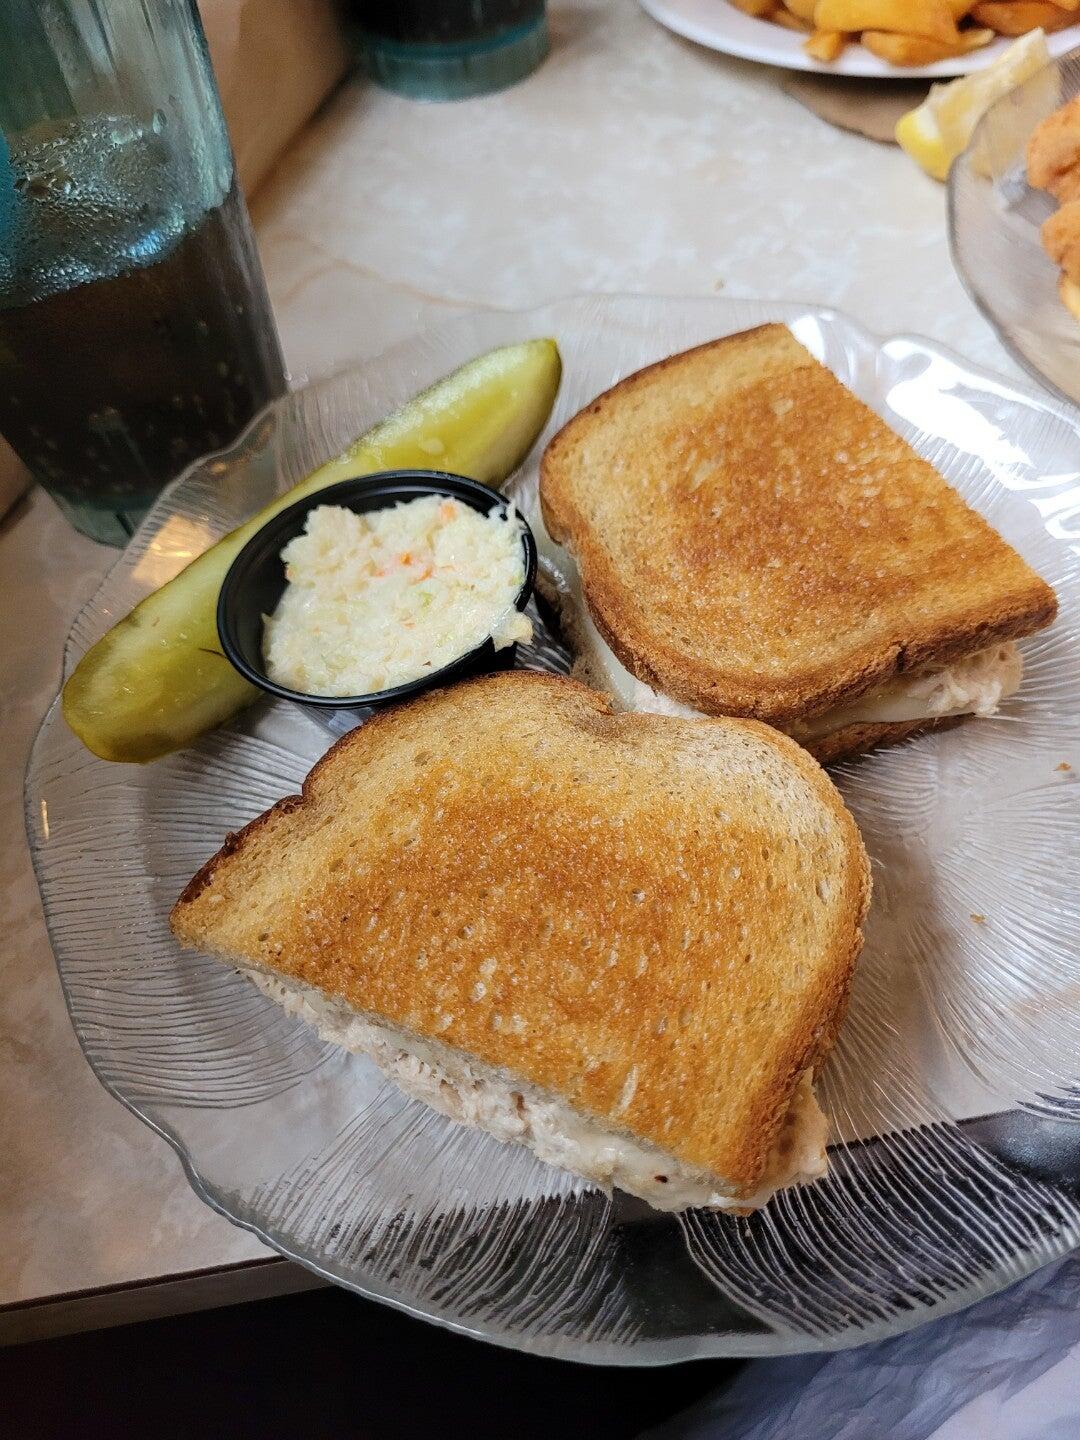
column 449, row 49
column 135, row 328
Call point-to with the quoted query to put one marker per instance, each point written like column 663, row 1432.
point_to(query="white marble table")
column 630, row 162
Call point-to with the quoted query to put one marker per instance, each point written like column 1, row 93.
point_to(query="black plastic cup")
column 256, row 581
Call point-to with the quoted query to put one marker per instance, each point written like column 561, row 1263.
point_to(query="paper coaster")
column 867, row 107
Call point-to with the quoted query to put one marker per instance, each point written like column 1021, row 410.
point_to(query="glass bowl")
column 994, row 220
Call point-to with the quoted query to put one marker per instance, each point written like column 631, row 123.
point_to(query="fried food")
column 1053, row 154
column 1017, row 17
column 1061, row 239
column 931, row 18
column 1069, row 292
column 1053, row 164
column 908, row 33
column 918, row 50
column 825, row 45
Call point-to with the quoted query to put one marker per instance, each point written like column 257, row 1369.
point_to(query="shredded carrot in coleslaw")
column 378, row 599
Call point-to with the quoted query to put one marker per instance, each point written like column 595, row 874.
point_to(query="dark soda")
column 135, row 329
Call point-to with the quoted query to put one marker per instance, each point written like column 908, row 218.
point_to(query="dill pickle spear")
column 158, row 678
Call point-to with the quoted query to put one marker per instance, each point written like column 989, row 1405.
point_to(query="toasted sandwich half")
column 624, row 941
column 746, row 537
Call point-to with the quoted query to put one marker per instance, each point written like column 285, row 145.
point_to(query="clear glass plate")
column 966, row 1001
column 994, row 220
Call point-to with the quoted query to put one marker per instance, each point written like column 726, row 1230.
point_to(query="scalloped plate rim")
column 638, row 1352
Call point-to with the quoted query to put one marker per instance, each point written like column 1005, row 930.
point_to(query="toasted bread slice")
column 828, row 748
column 629, row 937
column 753, row 540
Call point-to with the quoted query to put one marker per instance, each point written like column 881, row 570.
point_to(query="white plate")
column 924, row 1208
column 717, row 24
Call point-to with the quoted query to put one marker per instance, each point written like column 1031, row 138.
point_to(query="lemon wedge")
column 939, row 129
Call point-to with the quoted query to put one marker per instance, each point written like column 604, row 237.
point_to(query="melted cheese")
column 973, row 685
column 474, row 1093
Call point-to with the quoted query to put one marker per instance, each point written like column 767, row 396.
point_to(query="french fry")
column 972, row 39
column 917, row 50
column 903, row 49
column 910, row 32
column 931, row 19
column 1017, row 17
column 825, row 45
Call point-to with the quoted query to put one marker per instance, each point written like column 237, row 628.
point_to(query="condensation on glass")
column 135, row 329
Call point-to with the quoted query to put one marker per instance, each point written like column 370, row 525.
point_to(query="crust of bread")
column 858, row 739
column 753, row 540
column 826, row 749
column 840, row 744
column 655, row 919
